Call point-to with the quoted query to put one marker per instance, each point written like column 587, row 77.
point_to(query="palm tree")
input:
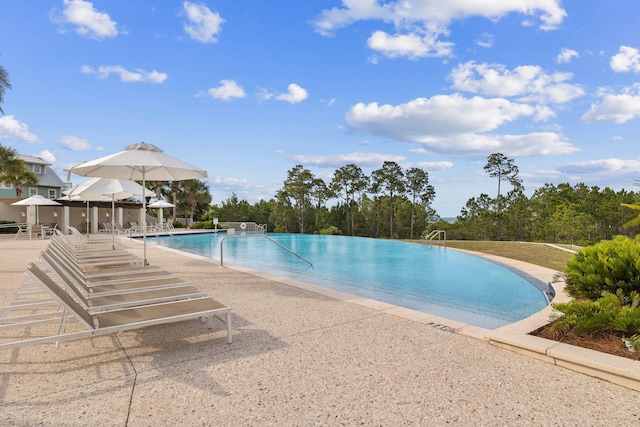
column 17, row 173
column 14, row 171
column 4, row 85
column 195, row 196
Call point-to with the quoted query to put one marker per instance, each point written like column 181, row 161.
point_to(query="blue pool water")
column 439, row 281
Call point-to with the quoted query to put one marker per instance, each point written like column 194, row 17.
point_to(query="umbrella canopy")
column 36, row 201
column 140, row 162
column 117, row 189
column 160, row 205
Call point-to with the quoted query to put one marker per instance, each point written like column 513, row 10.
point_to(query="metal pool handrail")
column 266, row 237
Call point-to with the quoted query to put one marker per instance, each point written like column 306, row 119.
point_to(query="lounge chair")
column 79, row 238
column 22, row 229
column 110, row 321
column 107, row 228
column 102, row 276
column 103, row 296
column 118, row 229
column 96, row 259
column 110, row 285
column 135, row 228
column 51, row 231
column 92, row 268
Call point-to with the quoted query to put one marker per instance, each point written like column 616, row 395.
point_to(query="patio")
column 298, row 358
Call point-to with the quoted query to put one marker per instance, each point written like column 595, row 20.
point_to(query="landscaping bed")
column 610, row 343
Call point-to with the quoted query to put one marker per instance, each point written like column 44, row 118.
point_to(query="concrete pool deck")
column 302, row 355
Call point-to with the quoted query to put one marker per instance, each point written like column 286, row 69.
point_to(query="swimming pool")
column 439, row 281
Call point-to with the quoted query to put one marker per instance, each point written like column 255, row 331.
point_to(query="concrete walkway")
column 299, row 358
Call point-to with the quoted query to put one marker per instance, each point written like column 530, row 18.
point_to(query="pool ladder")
column 264, row 236
column 441, row 235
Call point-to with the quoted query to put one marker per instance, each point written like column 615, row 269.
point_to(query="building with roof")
column 49, row 183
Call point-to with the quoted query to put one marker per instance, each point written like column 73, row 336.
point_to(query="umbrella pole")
column 144, row 218
column 113, row 222
column 87, row 219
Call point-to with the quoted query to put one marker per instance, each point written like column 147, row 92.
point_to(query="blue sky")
column 248, row 89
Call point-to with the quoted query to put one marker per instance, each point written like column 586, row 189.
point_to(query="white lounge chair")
column 105, row 322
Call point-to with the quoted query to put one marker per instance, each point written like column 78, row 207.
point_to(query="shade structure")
column 140, row 162
column 36, row 201
column 160, row 205
column 110, row 188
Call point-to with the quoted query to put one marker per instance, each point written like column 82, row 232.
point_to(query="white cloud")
column 422, row 118
column 627, row 59
column 485, row 40
column 413, row 46
column 243, row 188
column 617, row 168
column 455, row 125
column 126, row 76
column 566, row 55
column 75, row 143
column 429, row 166
column 338, row 160
column 204, row 25
column 421, row 23
column 526, row 145
column 526, row 83
column 264, row 95
column 10, row 128
column 89, row 22
column 47, row 156
column 228, row 89
column 618, row 108
column 295, row 95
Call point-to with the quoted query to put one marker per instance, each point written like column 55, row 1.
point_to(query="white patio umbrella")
column 112, row 189
column 36, row 201
column 140, row 162
column 160, row 205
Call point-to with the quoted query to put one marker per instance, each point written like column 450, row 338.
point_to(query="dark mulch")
column 604, row 342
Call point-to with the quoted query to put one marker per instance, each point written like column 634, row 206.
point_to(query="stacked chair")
column 104, row 290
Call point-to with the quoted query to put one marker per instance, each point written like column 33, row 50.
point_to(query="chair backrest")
column 67, row 276
column 61, row 296
column 77, row 234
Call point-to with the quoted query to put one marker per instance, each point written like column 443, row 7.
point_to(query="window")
column 7, row 186
column 33, row 191
column 37, row 169
column 52, row 194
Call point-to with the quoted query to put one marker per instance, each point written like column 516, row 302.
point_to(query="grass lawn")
column 534, row 253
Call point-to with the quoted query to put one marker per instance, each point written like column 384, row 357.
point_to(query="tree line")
column 396, row 203
column 391, row 202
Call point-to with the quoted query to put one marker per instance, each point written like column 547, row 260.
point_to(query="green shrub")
column 8, row 230
column 604, row 267
column 611, row 312
column 331, row 230
column 202, row 225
